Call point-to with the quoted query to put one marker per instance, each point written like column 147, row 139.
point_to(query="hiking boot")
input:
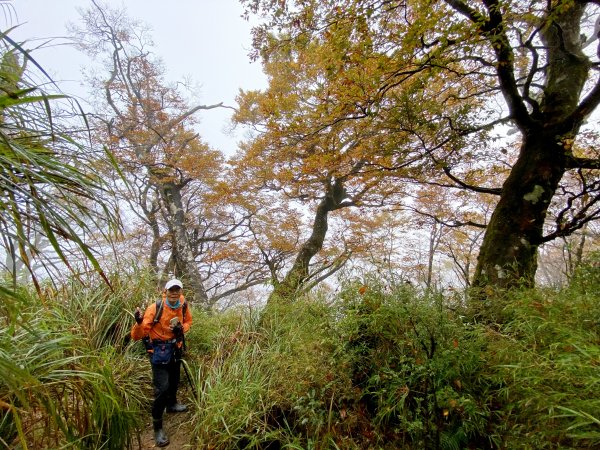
column 160, row 438
column 176, row 408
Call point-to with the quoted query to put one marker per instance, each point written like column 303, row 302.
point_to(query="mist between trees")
column 440, row 144
column 408, row 175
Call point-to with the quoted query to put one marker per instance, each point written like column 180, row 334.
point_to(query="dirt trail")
column 177, row 426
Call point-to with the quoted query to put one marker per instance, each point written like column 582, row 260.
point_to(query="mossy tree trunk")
column 508, row 256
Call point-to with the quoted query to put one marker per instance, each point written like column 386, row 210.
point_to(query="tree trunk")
column 285, row 289
column 156, row 238
column 296, row 277
column 508, row 254
column 575, row 256
column 185, row 262
column 434, row 241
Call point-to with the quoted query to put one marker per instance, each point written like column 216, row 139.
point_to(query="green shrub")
column 417, row 367
column 548, row 358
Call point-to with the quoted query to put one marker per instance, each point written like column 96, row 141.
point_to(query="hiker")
column 162, row 328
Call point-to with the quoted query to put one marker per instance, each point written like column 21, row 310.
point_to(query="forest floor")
column 177, row 426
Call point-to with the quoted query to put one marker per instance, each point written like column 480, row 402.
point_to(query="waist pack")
column 163, row 352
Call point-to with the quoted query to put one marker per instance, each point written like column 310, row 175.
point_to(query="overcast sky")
column 205, row 40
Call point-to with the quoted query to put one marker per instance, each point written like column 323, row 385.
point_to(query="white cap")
column 173, row 282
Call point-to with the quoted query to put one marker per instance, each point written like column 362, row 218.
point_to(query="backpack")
column 159, row 309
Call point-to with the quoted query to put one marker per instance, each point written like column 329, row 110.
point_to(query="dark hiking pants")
column 165, row 378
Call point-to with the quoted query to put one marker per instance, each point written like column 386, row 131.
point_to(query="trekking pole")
column 185, row 367
column 189, row 377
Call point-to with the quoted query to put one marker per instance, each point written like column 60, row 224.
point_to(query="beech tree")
column 450, row 73
column 171, row 174
column 328, row 169
column 266, row 165
column 307, row 150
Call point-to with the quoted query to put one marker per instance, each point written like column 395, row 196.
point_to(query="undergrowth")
column 378, row 366
column 389, row 367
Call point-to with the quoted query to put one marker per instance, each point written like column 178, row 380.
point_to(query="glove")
column 138, row 316
column 178, row 331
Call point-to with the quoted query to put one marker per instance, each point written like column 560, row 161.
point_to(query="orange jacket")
column 161, row 331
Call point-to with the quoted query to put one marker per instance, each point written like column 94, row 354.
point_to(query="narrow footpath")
column 177, row 427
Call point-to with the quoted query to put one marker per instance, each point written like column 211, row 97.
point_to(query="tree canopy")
column 438, row 122
column 426, row 86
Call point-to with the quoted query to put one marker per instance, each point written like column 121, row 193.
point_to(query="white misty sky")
column 205, row 41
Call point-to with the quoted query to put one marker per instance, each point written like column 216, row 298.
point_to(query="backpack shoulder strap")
column 159, row 310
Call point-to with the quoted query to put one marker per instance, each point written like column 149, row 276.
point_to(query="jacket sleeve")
column 187, row 320
column 141, row 330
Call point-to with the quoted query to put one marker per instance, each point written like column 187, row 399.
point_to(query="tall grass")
column 376, row 367
column 549, row 361
column 388, row 367
column 254, row 382
column 66, row 378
